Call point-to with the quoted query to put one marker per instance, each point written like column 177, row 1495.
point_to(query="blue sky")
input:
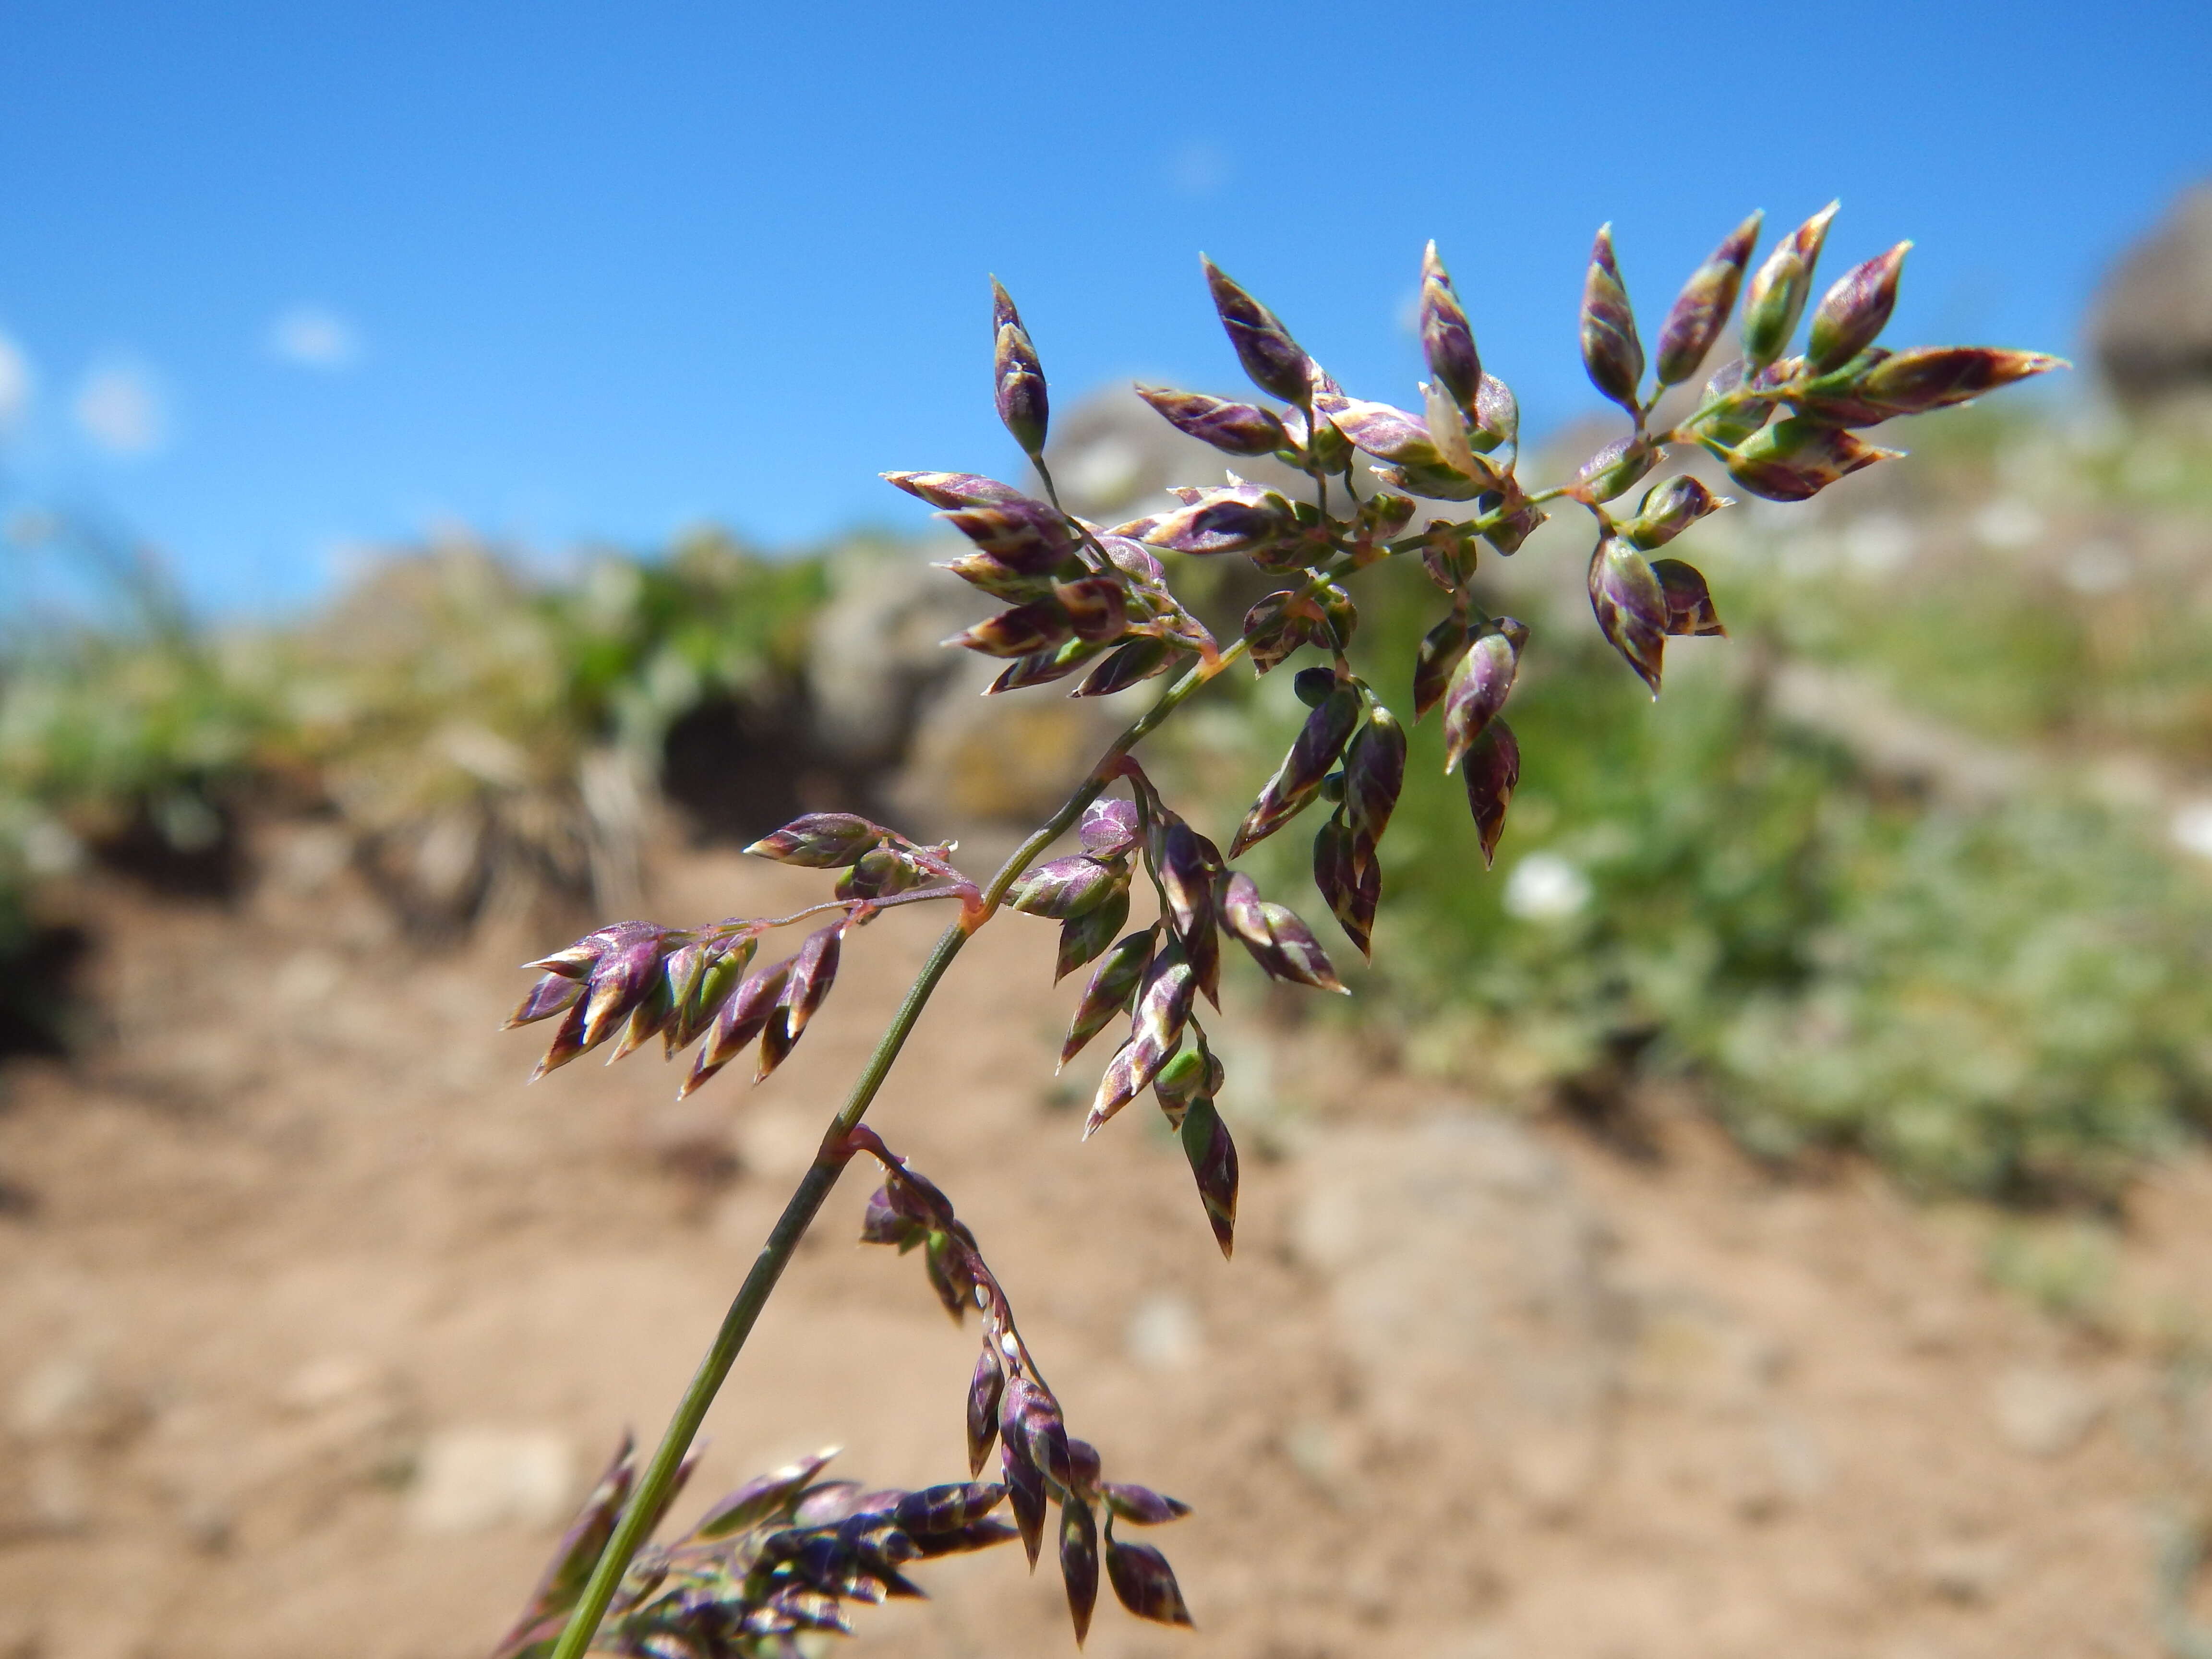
column 278, row 281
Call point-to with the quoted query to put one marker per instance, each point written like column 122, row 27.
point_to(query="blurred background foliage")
column 480, row 733
column 1916, row 866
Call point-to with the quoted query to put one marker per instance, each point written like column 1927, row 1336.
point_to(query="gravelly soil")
column 319, row 1317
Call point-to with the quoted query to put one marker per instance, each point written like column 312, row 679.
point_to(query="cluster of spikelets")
column 781, row 1557
column 631, row 981
column 1084, row 598
column 1082, row 595
column 776, row 1560
column 642, row 980
column 1010, row 1403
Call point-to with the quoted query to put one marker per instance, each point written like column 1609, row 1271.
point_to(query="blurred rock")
column 875, row 657
column 1010, row 760
column 45, row 1496
column 2043, row 1413
column 888, row 696
column 1165, row 1333
column 1317, row 1451
column 474, row 1480
column 691, row 1142
column 70, row 1399
column 332, row 1382
column 1469, row 1290
column 1968, row 1573
column 2151, row 326
column 50, row 1395
column 777, row 1142
column 1114, row 458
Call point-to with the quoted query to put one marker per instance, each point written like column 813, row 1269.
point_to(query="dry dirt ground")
column 316, row 1320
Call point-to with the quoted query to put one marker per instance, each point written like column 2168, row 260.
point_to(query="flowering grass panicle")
column 1098, row 602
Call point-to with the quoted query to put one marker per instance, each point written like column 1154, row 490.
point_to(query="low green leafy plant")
column 446, row 687
column 1096, row 601
column 2007, row 1001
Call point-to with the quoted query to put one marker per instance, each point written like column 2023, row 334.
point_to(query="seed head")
column 1110, row 828
column 1374, row 773
column 1067, row 887
column 1615, row 468
column 1497, row 416
column 1243, row 518
column 1019, row 379
column 1083, row 937
column 1689, row 601
column 1853, row 313
column 744, row 1019
column 1112, row 989
column 1438, row 655
column 1144, row 1583
column 1612, row 352
column 1019, row 632
column 1095, row 606
column 1272, row 359
column 1213, row 1158
column 552, row 995
column 1667, row 510
column 813, row 970
column 983, row 1393
column 1141, row 1506
column 1299, row 779
column 953, row 489
column 1078, row 1563
column 1480, row 685
column 1279, row 942
column 1776, row 298
column 1794, row 460
column 1702, row 309
column 1447, row 339
column 1130, row 663
column 1492, row 769
column 821, row 841
column 1383, row 431
column 1027, row 537
column 1939, row 377
column 1237, row 429
column 1630, row 607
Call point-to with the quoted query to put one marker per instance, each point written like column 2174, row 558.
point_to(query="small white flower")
column 2191, row 828
column 1544, row 887
column 2007, row 525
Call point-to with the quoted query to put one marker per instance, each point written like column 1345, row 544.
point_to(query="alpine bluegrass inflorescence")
column 780, row 1557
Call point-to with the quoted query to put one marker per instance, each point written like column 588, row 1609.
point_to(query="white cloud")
column 14, row 383
column 119, row 407
column 1199, row 170
column 314, row 337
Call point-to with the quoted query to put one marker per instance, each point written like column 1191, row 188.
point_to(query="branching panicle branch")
column 1096, row 601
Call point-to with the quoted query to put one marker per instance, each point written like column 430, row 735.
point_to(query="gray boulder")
column 2151, row 326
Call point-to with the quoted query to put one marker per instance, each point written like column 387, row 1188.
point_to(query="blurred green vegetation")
column 474, row 728
column 95, row 720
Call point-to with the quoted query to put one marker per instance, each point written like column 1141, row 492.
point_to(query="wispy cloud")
column 15, row 383
column 1199, row 170
column 314, row 337
column 120, row 408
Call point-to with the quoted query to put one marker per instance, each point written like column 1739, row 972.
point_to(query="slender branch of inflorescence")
column 838, row 1147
